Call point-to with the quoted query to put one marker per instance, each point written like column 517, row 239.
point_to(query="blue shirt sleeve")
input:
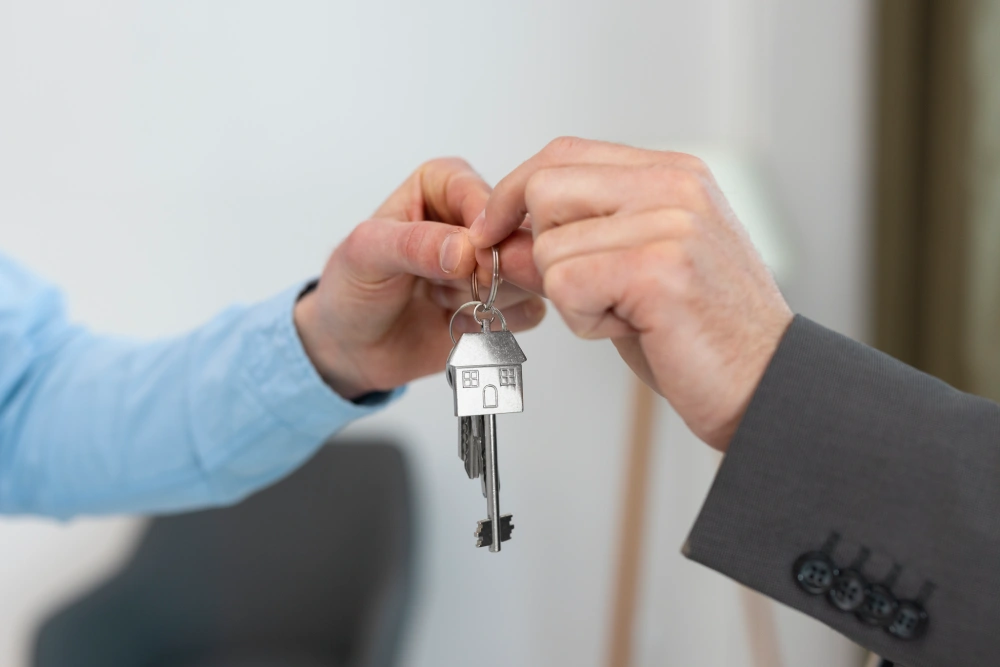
column 95, row 424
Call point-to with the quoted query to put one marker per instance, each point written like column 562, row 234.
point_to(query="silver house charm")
column 484, row 372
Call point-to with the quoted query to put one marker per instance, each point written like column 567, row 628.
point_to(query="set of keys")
column 484, row 372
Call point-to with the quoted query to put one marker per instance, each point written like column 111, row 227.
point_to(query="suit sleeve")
column 890, row 475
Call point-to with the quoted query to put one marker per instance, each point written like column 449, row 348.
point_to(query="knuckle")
column 690, row 163
column 541, row 250
column 690, row 187
column 411, row 241
column 359, row 238
column 558, row 285
column 564, row 289
column 668, row 269
column 537, row 189
column 562, row 147
column 681, row 222
column 446, row 163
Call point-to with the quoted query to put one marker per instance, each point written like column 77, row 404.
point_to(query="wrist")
column 752, row 372
column 332, row 364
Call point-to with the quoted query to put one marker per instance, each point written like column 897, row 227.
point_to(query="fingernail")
column 451, row 252
column 478, row 224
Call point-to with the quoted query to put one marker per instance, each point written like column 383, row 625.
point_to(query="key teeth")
column 484, row 533
column 484, row 530
column 470, row 446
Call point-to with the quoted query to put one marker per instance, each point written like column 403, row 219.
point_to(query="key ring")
column 494, row 312
column 494, row 285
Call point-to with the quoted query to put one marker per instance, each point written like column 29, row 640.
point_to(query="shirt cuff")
column 285, row 381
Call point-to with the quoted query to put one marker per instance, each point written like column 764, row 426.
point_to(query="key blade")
column 492, row 477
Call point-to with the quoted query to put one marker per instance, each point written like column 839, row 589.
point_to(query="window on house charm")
column 470, row 379
column 508, row 377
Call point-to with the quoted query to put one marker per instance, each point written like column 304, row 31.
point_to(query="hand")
column 379, row 316
column 641, row 247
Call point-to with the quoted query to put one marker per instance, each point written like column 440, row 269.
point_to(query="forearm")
column 105, row 425
column 841, row 438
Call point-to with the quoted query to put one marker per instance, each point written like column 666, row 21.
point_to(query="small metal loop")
column 485, row 309
column 494, row 285
column 493, row 311
column 474, row 280
column 451, row 324
column 503, row 320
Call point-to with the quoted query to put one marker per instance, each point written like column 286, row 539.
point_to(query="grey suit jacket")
column 864, row 493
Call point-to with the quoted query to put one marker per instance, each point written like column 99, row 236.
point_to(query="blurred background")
column 163, row 160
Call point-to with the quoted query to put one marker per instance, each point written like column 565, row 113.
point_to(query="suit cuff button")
column 815, row 572
column 910, row 621
column 879, row 607
column 848, row 591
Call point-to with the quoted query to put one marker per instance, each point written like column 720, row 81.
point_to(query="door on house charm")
column 489, row 396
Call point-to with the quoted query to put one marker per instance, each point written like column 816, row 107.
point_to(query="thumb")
column 379, row 249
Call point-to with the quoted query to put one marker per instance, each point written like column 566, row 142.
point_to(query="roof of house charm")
column 484, row 371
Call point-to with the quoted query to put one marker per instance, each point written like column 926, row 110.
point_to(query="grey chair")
column 312, row 572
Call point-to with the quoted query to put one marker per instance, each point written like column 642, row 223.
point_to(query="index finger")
column 442, row 190
column 506, row 208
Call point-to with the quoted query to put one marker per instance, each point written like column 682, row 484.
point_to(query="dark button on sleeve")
column 815, row 572
column 848, row 591
column 879, row 607
column 910, row 621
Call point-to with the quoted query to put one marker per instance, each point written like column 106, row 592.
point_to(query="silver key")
column 470, row 445
column 484, row 372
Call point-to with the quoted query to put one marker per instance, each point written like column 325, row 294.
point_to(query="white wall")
column 815, row 135
column 160, row 160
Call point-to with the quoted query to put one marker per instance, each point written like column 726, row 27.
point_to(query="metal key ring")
column 494, row 312
column 482, row 308
column 494, row 285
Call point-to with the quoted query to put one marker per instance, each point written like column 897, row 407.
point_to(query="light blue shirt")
column 97, row 424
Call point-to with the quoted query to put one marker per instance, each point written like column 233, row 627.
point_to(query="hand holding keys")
column 484, row 372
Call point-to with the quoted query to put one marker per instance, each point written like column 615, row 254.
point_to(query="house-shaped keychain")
column 484, row 371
